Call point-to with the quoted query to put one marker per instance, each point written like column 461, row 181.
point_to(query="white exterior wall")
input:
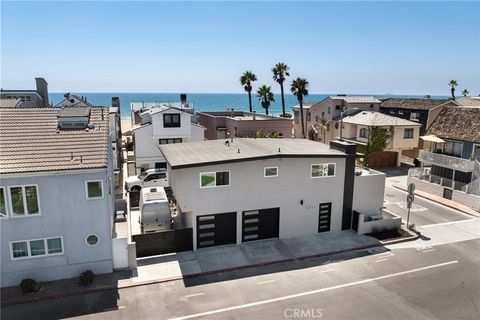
column 368, row 193
column 250, row 190
column 184, row 131
column 65, row 212
column 146, row 147
column 198, row 133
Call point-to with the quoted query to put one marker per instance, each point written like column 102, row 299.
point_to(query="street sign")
column 410, row 198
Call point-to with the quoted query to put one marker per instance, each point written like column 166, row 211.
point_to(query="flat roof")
column 243, row 115
column 203, row 153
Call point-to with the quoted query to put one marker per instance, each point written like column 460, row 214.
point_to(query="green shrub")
column 29, row 285
column 86, row 277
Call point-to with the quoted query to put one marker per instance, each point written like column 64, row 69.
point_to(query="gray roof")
column 73, row 112
column 356, row 99
column 375, row 119
column 30, row 141
column 190, row 154
column 468, row 101
column 417, row 104
column 9, row 103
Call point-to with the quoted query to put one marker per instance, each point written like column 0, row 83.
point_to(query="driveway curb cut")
column 196, row 275
column 443, row 204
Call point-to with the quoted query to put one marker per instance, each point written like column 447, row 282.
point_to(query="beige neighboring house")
column 360, row 113
column 318, row 116
column 358, row 126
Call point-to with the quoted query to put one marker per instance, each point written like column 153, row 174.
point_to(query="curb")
column 444, row 204
column 200, row 274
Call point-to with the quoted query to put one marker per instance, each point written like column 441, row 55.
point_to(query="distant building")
column 160, row 124
column 318, row 117
column 29, row 98
column 360, row 114
column 450, row 160
column 56, row 193
column 253, row 189
column 220, row 125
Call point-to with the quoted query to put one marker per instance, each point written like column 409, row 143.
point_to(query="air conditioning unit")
column 375, row 217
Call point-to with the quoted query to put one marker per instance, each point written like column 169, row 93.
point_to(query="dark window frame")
column 408, row 133
column 170, row 141
column 171, row 120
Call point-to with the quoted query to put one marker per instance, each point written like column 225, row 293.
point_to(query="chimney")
column 116, row 102
column 42, row 89
column 350, row 150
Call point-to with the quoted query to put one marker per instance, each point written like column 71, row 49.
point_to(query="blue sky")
column 347, row 47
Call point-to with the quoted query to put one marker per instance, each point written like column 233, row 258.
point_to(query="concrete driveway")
column 254, row 253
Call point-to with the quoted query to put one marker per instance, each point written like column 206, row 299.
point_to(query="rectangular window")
column 271, row 172
column 329, row 110
column 19, row 249
column 3, row 206
column 24, row 200
column 94, row 189
column 214, row 179
column 408, row 133
column 36, row 247
column 171, row 120
column 296, row 116
column 323, row 170
column 169, row 141
column 309, row 116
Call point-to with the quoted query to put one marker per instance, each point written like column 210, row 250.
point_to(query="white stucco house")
column 56, row 185
column 159, row 125
column 252, row 189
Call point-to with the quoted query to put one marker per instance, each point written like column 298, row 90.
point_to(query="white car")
column 148, row 178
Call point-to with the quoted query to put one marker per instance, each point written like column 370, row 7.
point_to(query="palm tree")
column 246, row 80
column 299, row 88
column 465, row 92
column 280, row 71
column 453, row 84
column 265, row 95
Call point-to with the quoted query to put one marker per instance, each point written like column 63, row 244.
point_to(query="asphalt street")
column 440, row 282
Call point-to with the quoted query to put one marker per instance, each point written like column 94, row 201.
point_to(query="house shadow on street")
column 70, row 298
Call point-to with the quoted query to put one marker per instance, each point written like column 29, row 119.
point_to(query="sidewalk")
column 446, row 202
column 206, row 261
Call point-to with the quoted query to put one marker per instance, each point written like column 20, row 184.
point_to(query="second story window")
column 309, row 116
column 171, row 120
column 94, row 189
column 271, row 172
column 3, row 206
column 322, row 170
column 364, row 133
column 24, row 201
column 296, row 116
column 408, row 133
column 214, row 179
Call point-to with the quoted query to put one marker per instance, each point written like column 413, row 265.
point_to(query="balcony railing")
column 442, row 160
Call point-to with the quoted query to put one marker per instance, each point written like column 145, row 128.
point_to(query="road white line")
column 428, row 250
column 447, row 223
column 254, row 304
column 326, row 270
column 265, row 282
column 381, row 260
column 195, row 295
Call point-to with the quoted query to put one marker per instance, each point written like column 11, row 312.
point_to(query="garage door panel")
column 260, row 224
column 216, row 229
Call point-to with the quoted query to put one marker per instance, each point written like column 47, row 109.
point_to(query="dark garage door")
column 260, row 224
column 216, row 229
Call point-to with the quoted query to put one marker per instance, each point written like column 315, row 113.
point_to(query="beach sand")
column 126, row 125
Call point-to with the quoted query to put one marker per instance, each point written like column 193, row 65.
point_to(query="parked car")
column 155, row 210
column 148, row 178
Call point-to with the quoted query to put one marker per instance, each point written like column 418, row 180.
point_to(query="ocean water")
column 201, row 101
